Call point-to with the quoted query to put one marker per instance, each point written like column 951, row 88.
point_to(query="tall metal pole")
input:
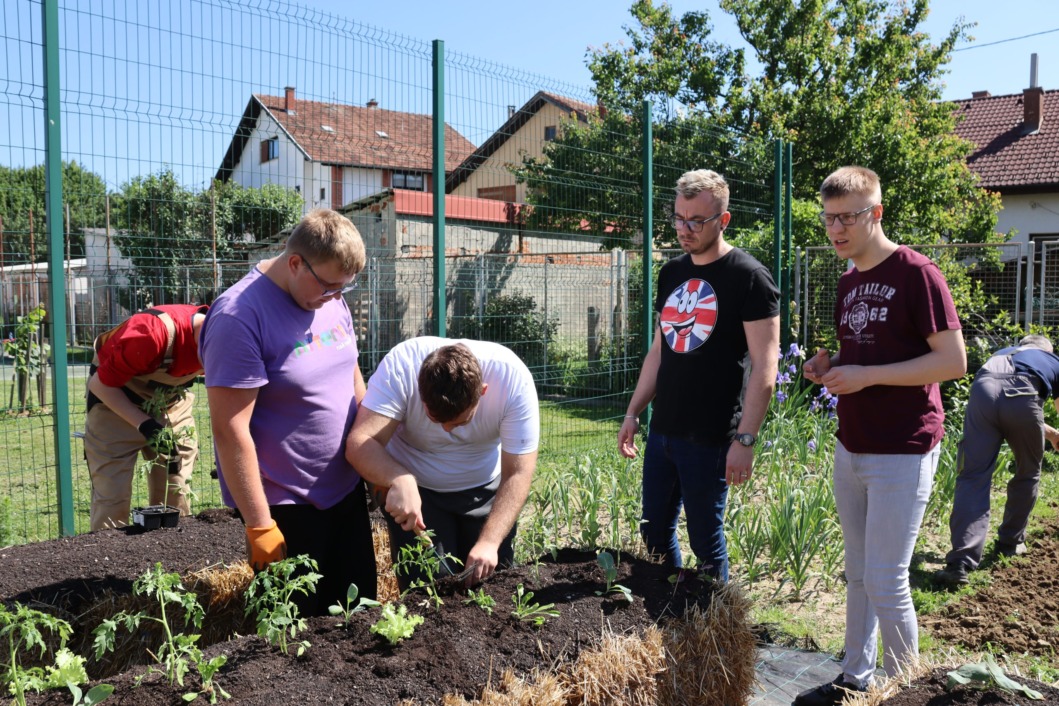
column 785, row 332
column 440, row 305
column 777, row 221
column 647, row 308
column 53, row 204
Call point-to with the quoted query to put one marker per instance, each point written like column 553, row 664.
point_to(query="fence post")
column 53, row 202
column 785, row 335
column 647, row 309
column 439, row 187
column 777, row 224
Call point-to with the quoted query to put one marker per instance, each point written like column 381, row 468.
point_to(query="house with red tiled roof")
column 334, row 154
column 486, row 172
column 1016, row 153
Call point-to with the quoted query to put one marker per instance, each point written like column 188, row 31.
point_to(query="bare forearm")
column 510, row 498
column 238, row 460
column 646, row 385
column 759, row 391
column 935, row 366
column 115, row 400
column 373, row 462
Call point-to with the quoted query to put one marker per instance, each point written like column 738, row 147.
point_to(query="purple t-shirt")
column 303, row 364
column 884, row 316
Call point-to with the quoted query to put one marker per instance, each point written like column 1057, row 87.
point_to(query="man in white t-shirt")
column 450, row 430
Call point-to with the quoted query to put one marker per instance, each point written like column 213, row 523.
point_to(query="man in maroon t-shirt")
column 138, row 388
column 899, row 336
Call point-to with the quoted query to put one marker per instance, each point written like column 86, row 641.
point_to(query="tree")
column 22, row 193
column 852, row 82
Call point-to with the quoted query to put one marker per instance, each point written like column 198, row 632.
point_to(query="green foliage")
column 513, row 320
column 421, row 560
column 178, row 652
column 270, row 598
column 69, row 672
column 986, row 675
column 167, row 229
column 22, row 192
column 481, row 599
column 21, row 630
column 396, row 625
column 529, row 611
column 610, row 574
column 30, row 354
column 351, row 605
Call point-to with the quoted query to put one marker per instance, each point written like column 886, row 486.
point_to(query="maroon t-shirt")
column 884, row 316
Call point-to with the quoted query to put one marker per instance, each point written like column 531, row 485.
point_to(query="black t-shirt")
column 701, row 310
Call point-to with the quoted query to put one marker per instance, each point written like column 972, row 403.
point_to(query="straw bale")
column 710, row 653
column 386, row 581
column 623, row 669
column 541, row 689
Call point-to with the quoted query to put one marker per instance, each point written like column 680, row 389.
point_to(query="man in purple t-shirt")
column 898, row 337
column 283, row 388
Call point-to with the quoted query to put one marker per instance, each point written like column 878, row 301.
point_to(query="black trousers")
column 339, row 539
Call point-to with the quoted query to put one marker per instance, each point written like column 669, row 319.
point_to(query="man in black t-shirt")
column 715, row 305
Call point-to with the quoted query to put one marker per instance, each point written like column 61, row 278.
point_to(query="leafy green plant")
column 396, row 625
column 610, row 573
column 178, row 652
column 21, row 630
column 69, row 671
column 529, row 611
column 30, row 355
column 207, row 670
column 421, row 560
column 269, row 598
column 481, row 599
column 352, row 605
column 987, row 674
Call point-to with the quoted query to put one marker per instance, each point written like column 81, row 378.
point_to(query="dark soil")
column 460, row 648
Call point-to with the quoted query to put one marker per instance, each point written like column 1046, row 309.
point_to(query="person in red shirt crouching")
column 137, row 391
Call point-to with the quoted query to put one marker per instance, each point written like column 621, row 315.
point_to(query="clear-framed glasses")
column 328, row 291
column 846, row 219
column 694, row 226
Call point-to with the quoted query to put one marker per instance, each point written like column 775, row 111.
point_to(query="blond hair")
column 851, row 180
column 324, row 235
column 693, row 183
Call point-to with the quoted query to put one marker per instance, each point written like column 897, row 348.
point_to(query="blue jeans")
column 681, row 472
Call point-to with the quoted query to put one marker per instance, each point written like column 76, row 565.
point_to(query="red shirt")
column 138, row 346
column 884, row 316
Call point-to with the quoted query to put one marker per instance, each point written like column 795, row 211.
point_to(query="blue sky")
column 550, row 37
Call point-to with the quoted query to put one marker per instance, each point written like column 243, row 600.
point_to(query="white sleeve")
column 390, row 388
column 521, row 427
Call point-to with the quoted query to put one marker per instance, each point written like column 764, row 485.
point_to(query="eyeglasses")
column 694, row 226
column 846, row 219
column 328, row 291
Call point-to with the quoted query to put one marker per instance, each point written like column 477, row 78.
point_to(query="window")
column 270, row 149
column 409, row 180
column 323, row 193
column 549, row 133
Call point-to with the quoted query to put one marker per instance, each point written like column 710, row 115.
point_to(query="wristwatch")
column 746, row 439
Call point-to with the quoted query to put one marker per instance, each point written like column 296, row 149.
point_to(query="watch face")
column 745, row 439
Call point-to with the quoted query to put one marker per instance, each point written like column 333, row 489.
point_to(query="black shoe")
column 1005, row 549
column 827, row 694
column 952, row 576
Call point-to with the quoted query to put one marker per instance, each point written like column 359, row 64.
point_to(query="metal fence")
column 187, row 136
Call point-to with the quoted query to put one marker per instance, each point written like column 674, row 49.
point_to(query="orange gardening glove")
column 265, row 545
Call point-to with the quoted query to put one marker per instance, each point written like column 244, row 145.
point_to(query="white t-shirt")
column 507, row 418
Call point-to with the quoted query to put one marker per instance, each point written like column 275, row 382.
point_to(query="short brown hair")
column 324, row 235
column 450, row 382
column 851, row 180
column 693, row 183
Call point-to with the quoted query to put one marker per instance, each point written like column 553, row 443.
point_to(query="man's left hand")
column 739, row 465
column 486, row 556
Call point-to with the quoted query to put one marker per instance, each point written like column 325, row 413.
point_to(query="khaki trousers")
column 111, row 449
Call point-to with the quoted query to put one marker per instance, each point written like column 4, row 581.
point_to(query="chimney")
column 979, row 94
column 372, row 103
column 511, row 111
column 288, row 103
column 1032, row 102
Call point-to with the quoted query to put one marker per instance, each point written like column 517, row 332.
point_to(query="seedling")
column 69, row 671
column 352, row 605
column 178, row 652
column 987, row 674
column 481, row 599
column 529, row 611
column 396, row 625
column 22, row 631
column 610, row 573
column 423, row 560
column 270, row 594
column 206, row 672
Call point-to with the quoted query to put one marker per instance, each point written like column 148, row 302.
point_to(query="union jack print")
column 689, row 315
